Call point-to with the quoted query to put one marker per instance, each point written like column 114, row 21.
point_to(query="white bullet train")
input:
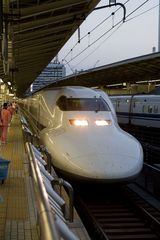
column 139, row 110
column 78, row 126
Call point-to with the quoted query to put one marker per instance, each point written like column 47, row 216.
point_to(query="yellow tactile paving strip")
column 17, row 216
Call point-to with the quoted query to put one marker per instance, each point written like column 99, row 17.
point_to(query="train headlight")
column 103, row 122
column 78, row 122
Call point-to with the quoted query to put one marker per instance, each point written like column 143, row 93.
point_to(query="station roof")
column 33, row 32
column 143, row 68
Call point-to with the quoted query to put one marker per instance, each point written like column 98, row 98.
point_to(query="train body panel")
column 93, row 160
column 140, row 110
column 80, row 131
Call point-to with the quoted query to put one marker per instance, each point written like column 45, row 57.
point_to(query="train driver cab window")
column 82, row 104
column 62, row 102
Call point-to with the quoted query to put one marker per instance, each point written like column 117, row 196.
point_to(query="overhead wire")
column 114, row 32
column 98, row 25
column 142, row 13
column 120, row 22
column 95, row 41
column 138, row 7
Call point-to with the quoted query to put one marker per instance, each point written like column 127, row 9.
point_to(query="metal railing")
column 52, row 225
column 46, row 219
column 30, row 137
column 44, row 157
column 64, row 183
column 61, row 183
column 27, row 134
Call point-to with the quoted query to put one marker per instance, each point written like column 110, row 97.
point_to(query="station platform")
column 17, row 200
column 17, row 215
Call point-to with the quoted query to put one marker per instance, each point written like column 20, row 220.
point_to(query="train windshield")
column 82, row 104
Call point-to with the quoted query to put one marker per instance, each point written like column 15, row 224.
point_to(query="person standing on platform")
column 5, row 118
column 11, row 110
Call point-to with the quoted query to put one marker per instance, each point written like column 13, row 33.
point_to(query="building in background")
column 54, row 71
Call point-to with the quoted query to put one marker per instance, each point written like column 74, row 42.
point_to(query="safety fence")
column 53, row 214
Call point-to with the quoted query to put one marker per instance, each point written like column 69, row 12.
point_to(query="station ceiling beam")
column 35, row 31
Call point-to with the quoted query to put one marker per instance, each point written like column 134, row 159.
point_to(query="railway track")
column 117, row 214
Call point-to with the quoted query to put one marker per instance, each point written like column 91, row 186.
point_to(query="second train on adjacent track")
column 140, row 110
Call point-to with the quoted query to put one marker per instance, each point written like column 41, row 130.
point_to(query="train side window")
column 155, row 110
column 149, row 109
column 143, row 108
column 134, row 104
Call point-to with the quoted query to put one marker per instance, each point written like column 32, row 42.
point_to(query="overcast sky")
column 135, row 37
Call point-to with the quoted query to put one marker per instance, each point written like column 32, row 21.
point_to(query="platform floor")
column 17, row 203
column 17, row 216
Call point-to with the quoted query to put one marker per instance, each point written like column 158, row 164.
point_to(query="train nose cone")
column 112, row 155
column 107, row 166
